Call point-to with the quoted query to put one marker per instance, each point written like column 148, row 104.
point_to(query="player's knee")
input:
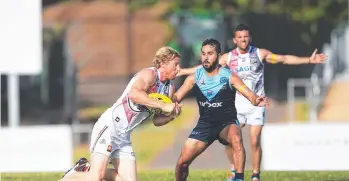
column 182, row 167
column 236, row 142
column 181, row 163
column 255, row 142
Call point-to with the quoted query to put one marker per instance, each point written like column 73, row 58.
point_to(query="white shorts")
column 105, row 139
column 254, row 116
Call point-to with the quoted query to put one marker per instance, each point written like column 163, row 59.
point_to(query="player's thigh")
column 126, row 169
column 230, row 134
column 191, row 149
column 99, row 163
column 124, row 162
column 100, row 148
column 255, row 134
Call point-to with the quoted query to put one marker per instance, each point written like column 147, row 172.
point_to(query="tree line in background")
column 283, row 26
column 306, row 12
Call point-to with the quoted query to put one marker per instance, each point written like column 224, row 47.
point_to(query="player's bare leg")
column 99, row 164
column 191, row 149
column 230, row 154
column 125, row 170
column 236, row 155
column 256, row 149
column 111, row 175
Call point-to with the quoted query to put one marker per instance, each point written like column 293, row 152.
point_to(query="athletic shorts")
column 208, row 133
column 105, row 139
column 251, row 116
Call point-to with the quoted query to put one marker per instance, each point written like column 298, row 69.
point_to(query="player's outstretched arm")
column 272, row 58
column 239, row 85
column 188, row 71
column 184, row 89
column 138, row 93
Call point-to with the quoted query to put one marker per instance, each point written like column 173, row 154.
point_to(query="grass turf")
column 198, row 175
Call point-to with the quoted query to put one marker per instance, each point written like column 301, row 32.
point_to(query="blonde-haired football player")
column 110, row 139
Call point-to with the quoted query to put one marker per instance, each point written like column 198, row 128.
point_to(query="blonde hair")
column 164, row 55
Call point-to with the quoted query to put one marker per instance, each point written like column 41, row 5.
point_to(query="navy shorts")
column 208, row 133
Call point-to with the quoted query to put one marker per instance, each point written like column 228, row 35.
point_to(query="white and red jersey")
column 250, row 68
column 126, row 114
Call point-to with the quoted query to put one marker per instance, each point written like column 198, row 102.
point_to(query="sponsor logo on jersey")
column 243, row 68
column 208, row 104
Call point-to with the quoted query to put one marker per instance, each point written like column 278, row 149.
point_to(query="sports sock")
column 239, row 176
column 255, row 175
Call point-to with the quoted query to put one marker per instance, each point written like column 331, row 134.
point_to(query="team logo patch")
column 253, row 59
column 209, row 92
column 117, row 119
column 223, row 80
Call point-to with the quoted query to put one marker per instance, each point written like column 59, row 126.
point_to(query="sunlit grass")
column 196, row 175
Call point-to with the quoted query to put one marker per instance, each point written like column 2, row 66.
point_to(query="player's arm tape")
column 241, row 88
column 273, row 58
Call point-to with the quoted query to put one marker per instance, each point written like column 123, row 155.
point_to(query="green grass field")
column 200, row 175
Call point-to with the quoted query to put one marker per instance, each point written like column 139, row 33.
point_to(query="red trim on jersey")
column 129, row 113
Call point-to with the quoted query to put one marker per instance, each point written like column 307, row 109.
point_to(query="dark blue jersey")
column 215, row 96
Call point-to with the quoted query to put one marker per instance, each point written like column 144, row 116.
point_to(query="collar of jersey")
column 159, row 76
column 249, row 49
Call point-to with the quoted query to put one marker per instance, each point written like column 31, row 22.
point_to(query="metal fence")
column 323, row 75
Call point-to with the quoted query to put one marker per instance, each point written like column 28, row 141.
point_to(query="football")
column 161, row 98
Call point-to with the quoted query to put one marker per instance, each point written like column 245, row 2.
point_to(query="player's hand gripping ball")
column 161, row 98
